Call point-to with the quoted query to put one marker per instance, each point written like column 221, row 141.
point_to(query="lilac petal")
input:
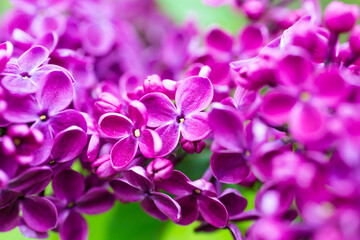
column 42, row 153
column 177, row 184
column 235, row 231
column 39, row 213
column 295, row 68
column 93, row 148
column 229, row 167
column 19, row 85
column 245, row 216
column 219, row 40
column 65, row 119
column 123, row 152
column 9, row 217
column 74, row 227
column 213, row 211
column 115, row 125
column 138, row 114
column 96, row 200
column 195, row 127
column 189, row 209
column 226, row 127
column 193, row 95
column 6, row 51
column 149, row 207
column 234, row 202
column 8, row 197
column 125, row 192
column 33, row 58
column 64, row 185
column 330, row 86
column 276, row 107
column 169, row 135
column 32, row 180
column 167, row 206
column 21, row 109
column 27, row 232
column 160, row 109
column 149, row 143
column 138, row 178
column 68, row 144
column 49, row 40
column 307, row 123
column 55, row 92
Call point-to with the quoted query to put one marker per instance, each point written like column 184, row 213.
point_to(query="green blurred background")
column 129, row 221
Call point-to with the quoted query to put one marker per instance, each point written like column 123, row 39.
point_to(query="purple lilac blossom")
column 119, row 88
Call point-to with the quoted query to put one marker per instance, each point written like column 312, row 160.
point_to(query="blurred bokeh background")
column 129, row 221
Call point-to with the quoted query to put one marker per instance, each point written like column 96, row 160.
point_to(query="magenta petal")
column 123, row 152
column 125, row 192
column 33, row 58
column 149, row 207
column 55, row 92
column 65, row 119
column 213, row 211
column 226, row 126
column 307, row 123
column 219, row 40
column 39, row 213
column 96, row 200
column 8, row 197
column 115, row 125
column 64, row 185
column 229, row 167
column 193, row 95
column 177, row 184
column 195, row 127
column 235, row 231
column 93, row 147
column 189, row 209
column 330, row 87
column 169, row 135
column 234, row 202
column 74, row 227
column 68, row 144
column 149, row 143
column 9, row 217
column 276, row 107
column 138, row 114
column 42, row 153
column 21, row 109
column 160, row 109
column 32, row 180
column 167, row 206
column 138, row 178
column 295, row 68
column 27, row 232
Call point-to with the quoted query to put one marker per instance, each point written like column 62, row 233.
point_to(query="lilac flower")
column 132, row 134
column 138, row 187
column 196, row 198
column 23, row 76
column 20, row 143
column 68, row 127
column 340, row 17
column 193, row 95
column 159, row 169
column 38, row 213
column 72, row 200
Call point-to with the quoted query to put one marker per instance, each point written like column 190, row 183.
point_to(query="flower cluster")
column 122, row 90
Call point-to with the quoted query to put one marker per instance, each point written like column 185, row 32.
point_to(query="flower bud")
column 160, row 169
column 354, row 39
column 253, row 9
column 153, row 83
column 340, row 17
column 102, row 167
column 106, row 103
column 193, row 147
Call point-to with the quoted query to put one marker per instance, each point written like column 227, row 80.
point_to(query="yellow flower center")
column 137, row 133
column 17, row 141
column 305, row 96
column 42, row 117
